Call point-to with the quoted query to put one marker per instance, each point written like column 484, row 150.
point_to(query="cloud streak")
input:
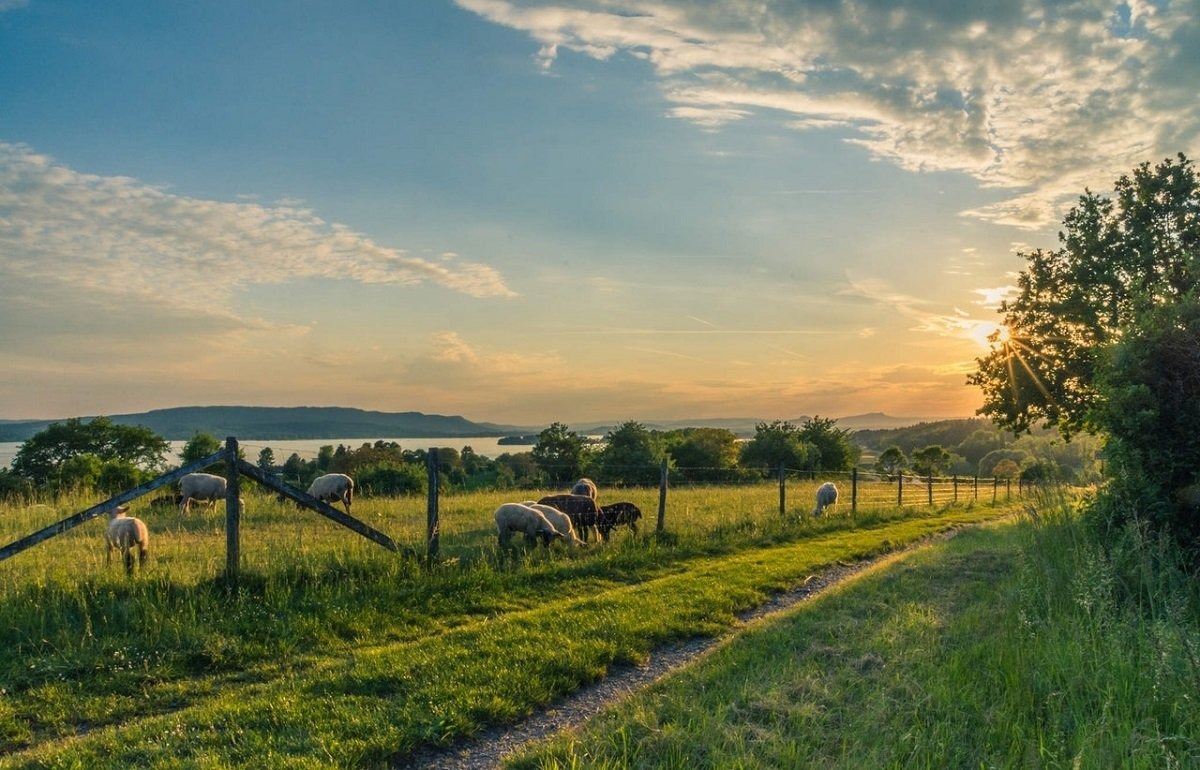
column 1038, row 98
column 116, row 237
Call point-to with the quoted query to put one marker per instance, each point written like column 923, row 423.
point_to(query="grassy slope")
column 342, row 660
column 1011, row 646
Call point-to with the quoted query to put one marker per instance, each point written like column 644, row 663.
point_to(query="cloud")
column 1038, row 98
column 68, row 234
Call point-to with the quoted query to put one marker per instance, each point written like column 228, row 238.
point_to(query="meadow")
column 330, row 651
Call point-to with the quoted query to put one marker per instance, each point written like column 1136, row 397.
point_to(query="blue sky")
column 525, row 212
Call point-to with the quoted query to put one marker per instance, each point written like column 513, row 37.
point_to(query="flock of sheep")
column 569, row 517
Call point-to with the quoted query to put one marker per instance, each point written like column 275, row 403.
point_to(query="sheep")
column 827, row 495
column 559, row 520
column 333, row 486
column 200, row 486
column 514, row 517
column 126, row 532
column 582, row 509
column 584, row 487
column 616, row 514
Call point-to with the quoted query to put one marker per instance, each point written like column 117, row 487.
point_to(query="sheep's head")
column 119, row 511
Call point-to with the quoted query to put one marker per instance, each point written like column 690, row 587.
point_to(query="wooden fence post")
column 929, row 486
column 854, row 491
column 976, row 486
column 662, row 494
column 782, row 490
column 233, row 510
column 956, row 487
column 995, row 486
column 900, row 489
column 432, row 525
column 1008, row 489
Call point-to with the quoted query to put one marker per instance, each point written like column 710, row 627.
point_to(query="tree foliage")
column 559, row 453
column 1104, row 336
column 931, row 460
column 777, row 443
column 834, row 449
column 1119, row 258
column 43, row 455
column 632, row 454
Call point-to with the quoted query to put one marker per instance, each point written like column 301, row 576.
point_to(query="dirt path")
column 487, row 749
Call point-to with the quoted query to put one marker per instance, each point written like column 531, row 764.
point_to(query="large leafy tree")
column 632, row 454
column 1120, row 257
column 42, row 456
column 834, row 449
column 776, row 443
column 1103, row 336
column 559, row 453
column 703, row 454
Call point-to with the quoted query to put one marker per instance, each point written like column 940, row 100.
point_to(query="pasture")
column 332, row 652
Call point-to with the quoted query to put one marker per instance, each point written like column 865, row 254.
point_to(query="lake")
column 487, row 446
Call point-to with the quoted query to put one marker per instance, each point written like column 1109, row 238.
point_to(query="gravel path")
column 488, row 748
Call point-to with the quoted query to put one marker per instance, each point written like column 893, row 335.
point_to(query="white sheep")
column 559, row 520
column 125, row 533
column 201, row 486
column 515, row 517
column 333, row 486
column 584, row 487
column 827, row 495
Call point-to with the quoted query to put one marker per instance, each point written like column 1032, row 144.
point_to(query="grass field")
column 333, row 652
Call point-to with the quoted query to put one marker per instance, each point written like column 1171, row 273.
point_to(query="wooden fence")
column 235, row 468
column 875, row 489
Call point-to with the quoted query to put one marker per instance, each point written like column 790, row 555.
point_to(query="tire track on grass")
column 491, row 746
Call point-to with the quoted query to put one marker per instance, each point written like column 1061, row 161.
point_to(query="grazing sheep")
column 615, row 514
column 200, row 486
column 126, row 532
column 333, row 486
column 559, row 520
column 827, row 495
column 584, row 487
column 514, row 517
column 583, row 510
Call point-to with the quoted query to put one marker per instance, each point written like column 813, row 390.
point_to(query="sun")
column 988, row 335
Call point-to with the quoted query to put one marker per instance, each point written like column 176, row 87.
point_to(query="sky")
column 527, row 212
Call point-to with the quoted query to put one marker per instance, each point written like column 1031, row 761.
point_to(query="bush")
column 390, row 478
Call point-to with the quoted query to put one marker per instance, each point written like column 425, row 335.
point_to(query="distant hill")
column 745, row 426
column 290, row 422
column 317, row 422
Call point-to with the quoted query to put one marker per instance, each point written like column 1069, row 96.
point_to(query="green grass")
column 333, row 652
column 1013, row 646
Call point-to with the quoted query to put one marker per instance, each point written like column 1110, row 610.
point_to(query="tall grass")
column 1021, row 645
column 180, row 651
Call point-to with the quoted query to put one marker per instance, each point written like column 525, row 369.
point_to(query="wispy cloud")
column 64, row 233
column 1037, row 97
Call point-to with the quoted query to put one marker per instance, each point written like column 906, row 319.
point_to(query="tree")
column 559, row 453
column 777, row 443
column 891, row 461
column 199, row 446
column 39, row 458
column 266, row 459
column 295, row 470
column 1119, row 259
column 931, row 460
column 835, row 450
column 703, row 454
column 1103, row 337
column 1151, row 412
column 631, row 455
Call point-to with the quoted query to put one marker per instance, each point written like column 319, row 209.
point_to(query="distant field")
column 331, row 651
